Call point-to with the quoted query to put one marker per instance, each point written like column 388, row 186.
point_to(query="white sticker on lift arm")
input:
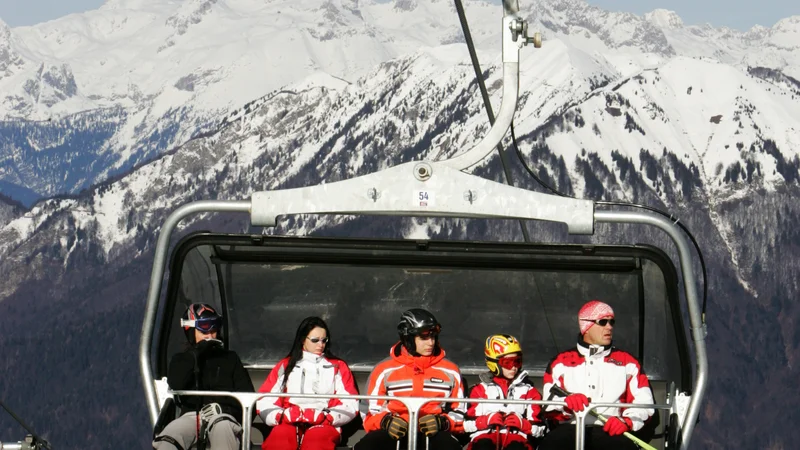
column 423, row 199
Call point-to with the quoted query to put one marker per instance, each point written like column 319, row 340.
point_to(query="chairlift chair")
column 265, row 285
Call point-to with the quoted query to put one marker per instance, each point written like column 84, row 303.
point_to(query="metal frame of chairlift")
column 437, row 189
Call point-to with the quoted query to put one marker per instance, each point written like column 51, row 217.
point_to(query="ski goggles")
column 601, row 322
column 429, row 333
column 510, row 363
column 204, row 325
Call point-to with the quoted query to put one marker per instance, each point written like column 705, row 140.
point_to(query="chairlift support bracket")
column 451, row 193
column 423, row 189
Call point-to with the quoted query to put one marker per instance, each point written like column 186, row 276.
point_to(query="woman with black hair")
column 309, row 368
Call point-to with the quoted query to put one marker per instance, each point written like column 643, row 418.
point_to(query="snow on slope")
column 710, row 116
column 174, row 67
column 777, row 47
column 218, row 53
column 707, row 113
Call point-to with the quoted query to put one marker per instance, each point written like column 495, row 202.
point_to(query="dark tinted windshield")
column 474, row 292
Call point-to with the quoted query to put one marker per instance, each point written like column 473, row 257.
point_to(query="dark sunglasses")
column 318, row 340
column 510, row 363
column 601, row 322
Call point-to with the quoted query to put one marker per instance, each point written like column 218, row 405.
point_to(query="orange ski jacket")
column 404, row 375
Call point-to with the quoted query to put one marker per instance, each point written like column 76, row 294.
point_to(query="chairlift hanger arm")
column 423, row 189
column 514, row 36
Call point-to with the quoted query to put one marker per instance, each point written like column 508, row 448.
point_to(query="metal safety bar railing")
column 412, row 404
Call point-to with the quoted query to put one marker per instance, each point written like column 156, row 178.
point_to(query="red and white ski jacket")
column 313, row 374
column 605, row 374
column 520, row 388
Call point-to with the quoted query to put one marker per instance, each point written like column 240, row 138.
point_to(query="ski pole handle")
column 561, row 392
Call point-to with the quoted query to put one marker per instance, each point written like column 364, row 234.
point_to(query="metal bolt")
column 423, row 171
column 373, row 194
column 470, row 196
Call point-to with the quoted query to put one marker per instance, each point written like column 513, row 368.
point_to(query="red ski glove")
column 576, row 402
column 617, row 425
column 487, row 421
column 316, row 417
column 292, row 414
column 514, row 421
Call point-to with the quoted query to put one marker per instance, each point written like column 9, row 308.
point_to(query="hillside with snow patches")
column 150, row 75
column 224, row 98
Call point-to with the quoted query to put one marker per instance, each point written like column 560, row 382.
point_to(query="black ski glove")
column 206, row 345
column 395, row 426
column 433, row 423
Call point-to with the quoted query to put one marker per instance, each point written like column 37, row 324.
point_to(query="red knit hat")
column 594, row 310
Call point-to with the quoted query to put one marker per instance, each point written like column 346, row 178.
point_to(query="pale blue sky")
column 741, row 14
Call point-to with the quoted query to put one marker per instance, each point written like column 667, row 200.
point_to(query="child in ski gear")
column 205, row 366
column 495, row 425
column 416, row 367
column 310, row 368
column 597, row 371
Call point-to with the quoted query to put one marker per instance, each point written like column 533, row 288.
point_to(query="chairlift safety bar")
column 413, row 404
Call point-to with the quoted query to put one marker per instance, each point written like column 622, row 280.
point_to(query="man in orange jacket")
column 416, row 367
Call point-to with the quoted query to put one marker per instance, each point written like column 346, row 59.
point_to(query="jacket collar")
column 312, row 358
column 593, row 351
column 401, row 355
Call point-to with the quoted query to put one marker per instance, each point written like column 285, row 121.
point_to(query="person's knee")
column 483, row 444
column 282, row 432
column 225, row 427
column 443, row 441
column 166, row 442
column 517, row 445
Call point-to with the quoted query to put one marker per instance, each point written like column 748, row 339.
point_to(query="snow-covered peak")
column 582, row 23
column 756, row 33
column 785, row 34
column 664, row 19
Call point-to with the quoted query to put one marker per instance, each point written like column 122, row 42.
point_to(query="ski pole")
column 427, row 443
column 497, row 437
column 642, row 444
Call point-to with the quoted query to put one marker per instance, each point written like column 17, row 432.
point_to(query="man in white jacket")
column 596, row 371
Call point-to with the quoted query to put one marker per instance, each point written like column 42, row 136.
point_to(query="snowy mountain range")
column 143, row 105
column 145, row 76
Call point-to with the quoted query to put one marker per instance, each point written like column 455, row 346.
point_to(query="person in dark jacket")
column 205, row 366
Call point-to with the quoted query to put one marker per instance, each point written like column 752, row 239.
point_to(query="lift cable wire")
column 478, row 75
column 479, row 78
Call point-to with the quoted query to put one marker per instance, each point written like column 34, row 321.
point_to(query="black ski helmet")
column 414, row 322
column 201, row 316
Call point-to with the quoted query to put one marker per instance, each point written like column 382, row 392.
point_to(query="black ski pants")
column 487, row 444
column 380, row 440
column 563, row 437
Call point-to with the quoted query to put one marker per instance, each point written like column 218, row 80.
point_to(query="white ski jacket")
column 313, row 374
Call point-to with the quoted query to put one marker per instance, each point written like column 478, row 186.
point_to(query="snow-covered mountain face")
column 163, row 71
column 609, row 109
column 156, row 73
